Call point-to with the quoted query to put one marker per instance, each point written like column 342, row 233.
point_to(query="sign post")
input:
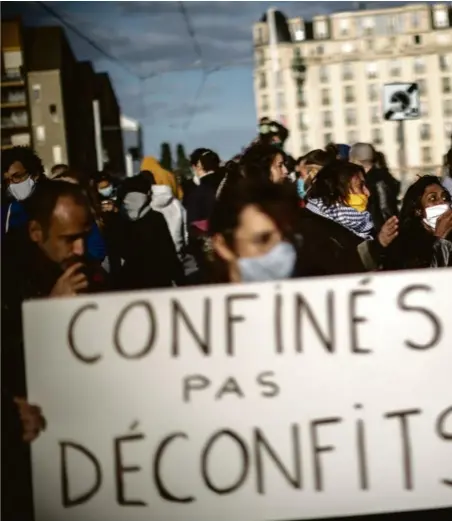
column 401, row 102
column 265, row 402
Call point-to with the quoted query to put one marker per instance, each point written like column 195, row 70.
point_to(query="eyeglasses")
column 17, row 177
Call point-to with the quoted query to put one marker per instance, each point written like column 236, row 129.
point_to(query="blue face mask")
column 277, row 264
column 300, row 188
column 106, row 192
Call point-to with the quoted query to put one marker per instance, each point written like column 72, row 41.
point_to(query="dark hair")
column 257, row 160
column 332, row 150
column 317, row 157
column 195, row 156
column 25, row 155
column 60, row 166
column 413, row 248
column 210, row 161
column 277, row 201
column 42, row 202
column 332, row 183
column 141, row 183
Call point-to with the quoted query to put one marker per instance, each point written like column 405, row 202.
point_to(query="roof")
column 282, row 27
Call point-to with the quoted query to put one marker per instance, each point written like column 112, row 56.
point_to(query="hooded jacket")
column 162, row 176
column 150, row 258
column 163, row 201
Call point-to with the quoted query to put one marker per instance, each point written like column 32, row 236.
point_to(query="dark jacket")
column 201, row 201
column 384, row 190
column 26, row 274
column 149, row 254
column 328, row 248
column 416, row 248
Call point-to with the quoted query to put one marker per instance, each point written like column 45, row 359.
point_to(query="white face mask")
column 106, row 192
column 433, row 213
column 277, row 264
column 21, row 191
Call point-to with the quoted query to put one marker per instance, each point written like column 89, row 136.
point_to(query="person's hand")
column 444, row 225
column 31, row 419
column 389, row 231
column 70, row 283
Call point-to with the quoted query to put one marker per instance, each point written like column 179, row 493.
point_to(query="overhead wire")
column 89, row 40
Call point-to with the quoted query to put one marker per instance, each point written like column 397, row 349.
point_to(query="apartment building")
column 15, row 106
column 61, row 107
column 349, row 57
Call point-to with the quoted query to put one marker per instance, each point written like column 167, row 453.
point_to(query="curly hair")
column 332, row 183
column 256, row 162
column 25, row 155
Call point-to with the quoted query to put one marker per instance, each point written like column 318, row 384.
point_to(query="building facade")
column 15, row 105
column 349, row 57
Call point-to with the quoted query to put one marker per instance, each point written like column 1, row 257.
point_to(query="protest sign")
column 258, row 402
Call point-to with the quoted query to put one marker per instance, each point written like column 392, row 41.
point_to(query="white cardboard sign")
column 262, row 402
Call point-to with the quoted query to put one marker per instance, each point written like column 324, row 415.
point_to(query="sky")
column 177, row 103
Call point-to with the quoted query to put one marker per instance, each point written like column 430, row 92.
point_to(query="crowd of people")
column 261, row 216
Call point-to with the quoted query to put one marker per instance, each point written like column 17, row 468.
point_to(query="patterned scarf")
column 360, row 223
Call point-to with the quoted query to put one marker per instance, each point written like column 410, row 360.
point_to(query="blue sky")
column 153, row 37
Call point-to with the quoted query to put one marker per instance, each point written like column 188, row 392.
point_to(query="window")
column 349, row 94
column 328, row 138
column 347, row 71
column 447, row 107
column 415, row 19
column 298, row 31
column 327, row 118
column 280, row 100
column 424, row 132
column 448, row 130
column 321, row 29
column 422, row 87
column 440, row 17
column 348, row 48
column 417, row 39
column 372, row 69
column 375, row 114
column 262, row 80
column 303, row 121
column 260, row 59
column 377, row 137
column 419, row 65
column 444, row 62
column 350, row 116
column 373, row 92
column 446, row 85
column 264, row 106
column 325, row 97
column 301, row 100
column 324, row 75
column 394, row 68
column 424, row 109
column 344, row 26
column 426, row 155
column 352, row 137
column 304, row 144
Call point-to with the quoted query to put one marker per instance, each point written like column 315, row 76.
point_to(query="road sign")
column 401, row 101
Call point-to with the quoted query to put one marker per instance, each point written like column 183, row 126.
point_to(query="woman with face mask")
column 338, row 232
column 425, row 235
column 252, row 230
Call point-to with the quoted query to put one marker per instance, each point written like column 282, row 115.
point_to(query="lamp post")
column 299, row 74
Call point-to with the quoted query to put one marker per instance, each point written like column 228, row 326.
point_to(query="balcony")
column 350, row 99
column 15, row 120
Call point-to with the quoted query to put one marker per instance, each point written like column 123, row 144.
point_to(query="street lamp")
column 299, row 74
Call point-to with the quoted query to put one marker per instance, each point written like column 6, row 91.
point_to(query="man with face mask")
column 21, row 170
column 44, row 259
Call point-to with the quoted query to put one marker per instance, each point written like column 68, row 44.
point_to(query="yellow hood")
column 161, row 176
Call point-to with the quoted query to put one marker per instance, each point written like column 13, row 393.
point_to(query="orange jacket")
column 162, row 176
